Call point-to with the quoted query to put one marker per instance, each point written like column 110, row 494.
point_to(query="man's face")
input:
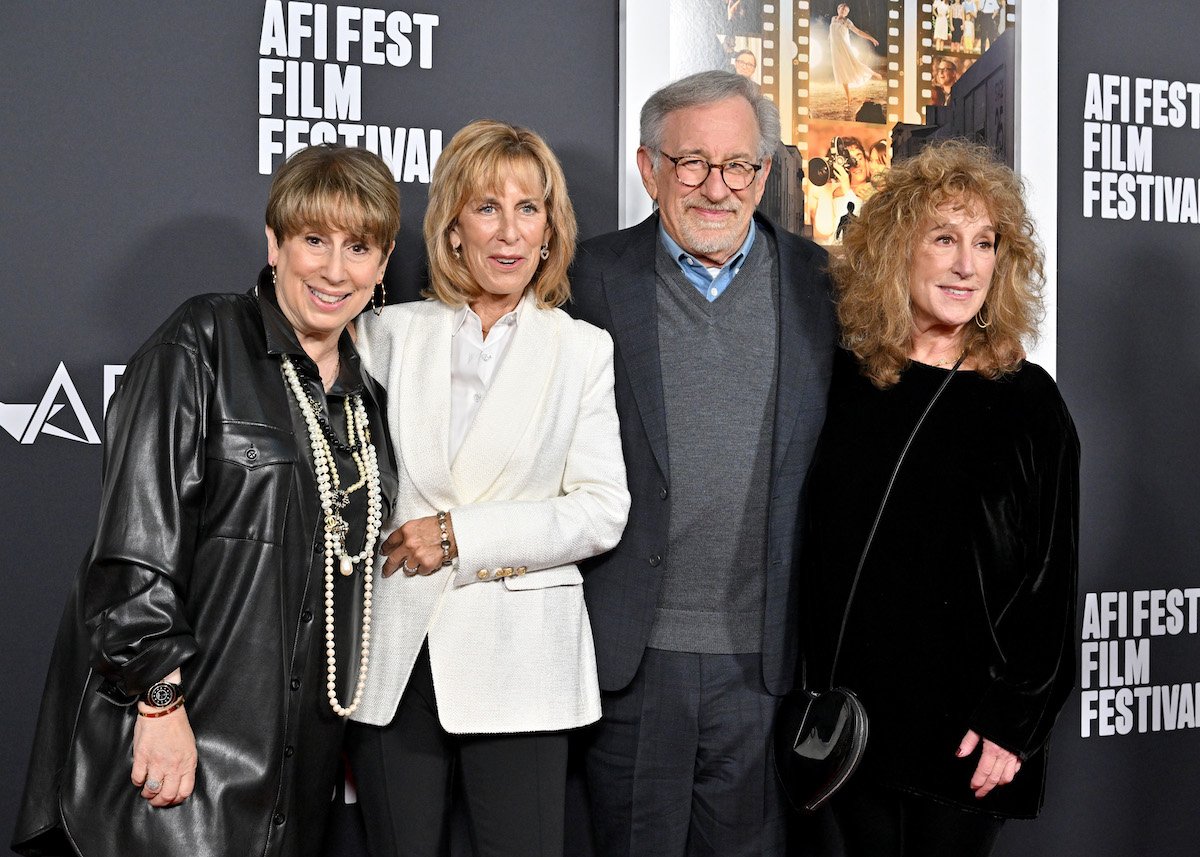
column 710, row 221
column 858, row 173
column 745, row 64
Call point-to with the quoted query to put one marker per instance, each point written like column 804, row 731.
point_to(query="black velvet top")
column 964, row 615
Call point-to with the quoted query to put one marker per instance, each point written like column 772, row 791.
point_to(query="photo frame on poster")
column 848, row 72
column 954, row 34
column 848, row 163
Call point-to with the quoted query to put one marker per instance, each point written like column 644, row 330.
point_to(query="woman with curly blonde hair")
column 876, row 306
column 954, row 625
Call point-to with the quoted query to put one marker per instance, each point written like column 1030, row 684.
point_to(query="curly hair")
column 871, row 278
column 479, row 158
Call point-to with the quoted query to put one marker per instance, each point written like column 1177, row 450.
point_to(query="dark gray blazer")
column 613, row 287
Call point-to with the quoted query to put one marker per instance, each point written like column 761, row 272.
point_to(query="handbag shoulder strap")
column 862, row 560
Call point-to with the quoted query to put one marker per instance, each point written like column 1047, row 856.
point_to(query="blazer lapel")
column 511, row 402
column 423, row 408
column 631, row 291
column 798, row 317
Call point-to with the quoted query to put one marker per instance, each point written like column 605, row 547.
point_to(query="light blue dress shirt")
column 712, row 286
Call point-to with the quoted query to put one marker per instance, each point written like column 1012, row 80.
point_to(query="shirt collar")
column 281, row 339
column 687, row 262
column 465, row 312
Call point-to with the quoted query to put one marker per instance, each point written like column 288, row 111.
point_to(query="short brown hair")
column 872, row 275
column 328, row 186
column 476, row 161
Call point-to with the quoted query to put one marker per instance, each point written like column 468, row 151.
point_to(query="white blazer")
column 537, row 486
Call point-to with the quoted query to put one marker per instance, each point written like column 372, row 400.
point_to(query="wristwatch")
column 163, row 695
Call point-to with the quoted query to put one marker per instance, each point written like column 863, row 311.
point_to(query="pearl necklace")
column 333, row 500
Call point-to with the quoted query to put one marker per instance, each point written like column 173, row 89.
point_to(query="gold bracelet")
column 176, row 704
column 441, row 519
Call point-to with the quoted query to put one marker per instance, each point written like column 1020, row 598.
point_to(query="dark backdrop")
column 1129, row 367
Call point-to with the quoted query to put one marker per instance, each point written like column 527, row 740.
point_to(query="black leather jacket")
column 207, row 556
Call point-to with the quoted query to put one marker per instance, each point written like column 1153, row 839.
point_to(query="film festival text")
column 310, row 82
column 1118, row 695
column 1121, row 115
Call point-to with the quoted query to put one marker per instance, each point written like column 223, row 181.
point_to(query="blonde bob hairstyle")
column 335, row 187
column 871, row 278
column 478, row 161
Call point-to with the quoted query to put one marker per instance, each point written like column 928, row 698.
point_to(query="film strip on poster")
column 844, row 75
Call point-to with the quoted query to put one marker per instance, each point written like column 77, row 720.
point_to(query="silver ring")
column 410, row 571
column 153, row 785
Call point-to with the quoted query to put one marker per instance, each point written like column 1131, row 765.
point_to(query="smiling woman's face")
column 499, row 235
column 323, row 279
column 952, row 267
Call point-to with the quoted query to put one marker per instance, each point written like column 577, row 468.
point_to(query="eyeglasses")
column 693, row 172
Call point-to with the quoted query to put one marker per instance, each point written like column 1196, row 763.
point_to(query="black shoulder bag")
column 820, row 736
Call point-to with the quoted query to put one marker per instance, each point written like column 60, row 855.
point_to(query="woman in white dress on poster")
column 941, row 24
column 848, row 69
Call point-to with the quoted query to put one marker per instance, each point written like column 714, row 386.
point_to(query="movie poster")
column 844, row 75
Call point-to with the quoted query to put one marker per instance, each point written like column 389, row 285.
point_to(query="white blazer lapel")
column 423, row 427
column 511, row 402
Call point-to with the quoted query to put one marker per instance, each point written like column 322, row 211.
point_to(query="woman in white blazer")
column 502, row 416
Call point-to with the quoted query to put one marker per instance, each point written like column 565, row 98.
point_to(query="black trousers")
column 880, row 822
column 514, row 785
column 679, row 766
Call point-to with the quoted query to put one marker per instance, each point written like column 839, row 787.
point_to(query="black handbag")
column 820, row 736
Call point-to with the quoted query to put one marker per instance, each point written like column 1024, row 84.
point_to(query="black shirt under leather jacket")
column 208, row 556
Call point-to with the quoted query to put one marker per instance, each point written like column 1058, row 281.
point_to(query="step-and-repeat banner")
column 138, row 142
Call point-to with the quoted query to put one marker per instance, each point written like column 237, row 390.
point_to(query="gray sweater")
column 718, row 369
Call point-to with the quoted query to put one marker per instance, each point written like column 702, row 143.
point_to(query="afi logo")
column 26, row 422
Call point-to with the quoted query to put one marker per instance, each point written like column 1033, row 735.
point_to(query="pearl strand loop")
column 330, row 495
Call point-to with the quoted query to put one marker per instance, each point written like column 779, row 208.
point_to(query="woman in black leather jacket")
column 196, row 696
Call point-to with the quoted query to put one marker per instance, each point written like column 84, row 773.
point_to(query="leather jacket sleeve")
column 150, row 507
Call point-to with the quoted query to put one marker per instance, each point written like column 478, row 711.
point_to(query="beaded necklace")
column 333, row 500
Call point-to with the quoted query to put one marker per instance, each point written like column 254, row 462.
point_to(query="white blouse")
column 473, row 364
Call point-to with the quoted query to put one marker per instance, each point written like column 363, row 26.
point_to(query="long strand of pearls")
column 328, row 484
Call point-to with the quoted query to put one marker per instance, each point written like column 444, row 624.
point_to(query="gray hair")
column 708, row 87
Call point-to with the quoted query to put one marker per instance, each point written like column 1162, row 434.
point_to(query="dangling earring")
column 377, row 308
column 273, row 275
column 982, row 325
column 545, row 252
column 455, row 251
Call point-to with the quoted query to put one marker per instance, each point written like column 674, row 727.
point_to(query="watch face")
column 161, row 695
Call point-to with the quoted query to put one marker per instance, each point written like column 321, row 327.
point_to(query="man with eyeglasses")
column 745, row 63
column 724, row 333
